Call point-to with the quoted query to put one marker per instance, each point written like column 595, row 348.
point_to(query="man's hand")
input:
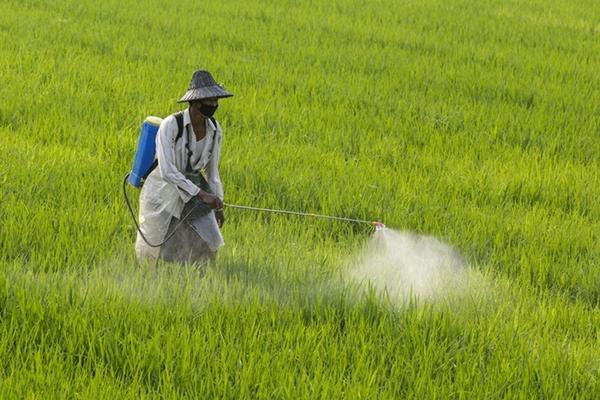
column 210, row 200
column 220, row 217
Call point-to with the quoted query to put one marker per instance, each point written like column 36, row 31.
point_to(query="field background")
column 475, row 122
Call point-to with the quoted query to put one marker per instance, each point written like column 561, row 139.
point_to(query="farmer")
column 183, row 196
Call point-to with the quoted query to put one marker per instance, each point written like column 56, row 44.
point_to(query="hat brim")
column 205, row 93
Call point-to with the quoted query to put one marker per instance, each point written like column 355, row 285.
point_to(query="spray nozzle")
column 378, row 225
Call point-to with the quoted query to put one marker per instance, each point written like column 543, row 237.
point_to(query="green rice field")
column 476, row 123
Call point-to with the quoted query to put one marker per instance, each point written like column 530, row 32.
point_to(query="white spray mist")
column 404, row 266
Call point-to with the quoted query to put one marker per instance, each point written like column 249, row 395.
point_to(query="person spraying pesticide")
column 181, row 201
column 181, row 210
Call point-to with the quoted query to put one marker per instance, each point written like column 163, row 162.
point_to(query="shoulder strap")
column 214, row 121
column 152, row 168
column 179, row 119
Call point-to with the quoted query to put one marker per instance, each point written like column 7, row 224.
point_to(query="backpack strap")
column 152, row 168
column 179, row 119
column 214, row 122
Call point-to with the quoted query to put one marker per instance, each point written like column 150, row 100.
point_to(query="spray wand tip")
column 378, row 225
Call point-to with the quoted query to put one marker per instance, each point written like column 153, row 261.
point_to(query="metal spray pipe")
column 376, row 224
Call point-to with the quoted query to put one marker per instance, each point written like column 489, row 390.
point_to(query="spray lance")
column 145, row 162
column 376, row 224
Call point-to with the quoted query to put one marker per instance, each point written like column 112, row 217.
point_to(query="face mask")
column 206, row 110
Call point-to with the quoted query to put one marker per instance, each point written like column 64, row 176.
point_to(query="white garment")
column 198, row 148
column 166, row 190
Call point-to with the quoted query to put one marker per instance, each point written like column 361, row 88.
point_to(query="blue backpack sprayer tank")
column 145, row 161
column 144, row 156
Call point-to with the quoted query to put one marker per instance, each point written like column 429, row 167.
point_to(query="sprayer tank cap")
column 152, row 120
